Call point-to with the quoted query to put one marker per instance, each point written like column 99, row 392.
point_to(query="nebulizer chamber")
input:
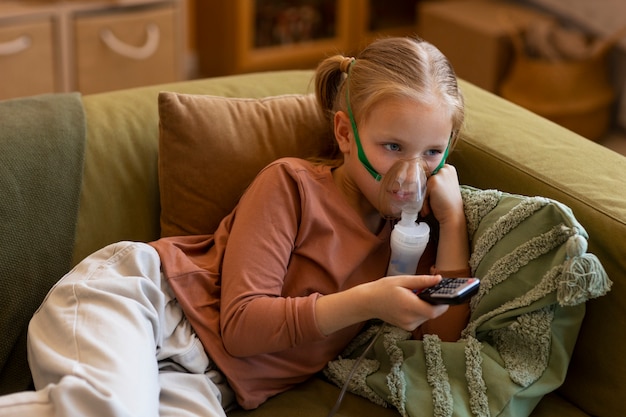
column 404, row 188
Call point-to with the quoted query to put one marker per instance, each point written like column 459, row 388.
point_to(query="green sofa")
column 502, row 146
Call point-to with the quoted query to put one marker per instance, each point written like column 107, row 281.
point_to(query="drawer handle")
column 15, row 46
column 131, row 51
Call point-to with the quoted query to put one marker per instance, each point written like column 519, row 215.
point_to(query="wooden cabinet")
column 89, row 46
column 255, row 35
column 121, row 49
column 27, row 44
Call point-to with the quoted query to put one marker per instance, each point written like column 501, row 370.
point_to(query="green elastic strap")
column 445, row 156
column 360, row 152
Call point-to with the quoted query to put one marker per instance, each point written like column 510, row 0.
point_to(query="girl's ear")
column 343, row 130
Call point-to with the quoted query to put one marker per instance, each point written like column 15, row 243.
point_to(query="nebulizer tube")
column 404, row 189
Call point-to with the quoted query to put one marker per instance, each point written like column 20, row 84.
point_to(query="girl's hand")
column 391, row 299
column 397, row 303
column 443, row 199
column 443, row 196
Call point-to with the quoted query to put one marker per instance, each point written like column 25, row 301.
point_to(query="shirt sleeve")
column 256, row 316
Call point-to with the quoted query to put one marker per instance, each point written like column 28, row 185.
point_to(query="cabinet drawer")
column 26, row 58
column 126, row 48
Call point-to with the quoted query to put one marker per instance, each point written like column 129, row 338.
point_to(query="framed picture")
column 290, row 33
column 294, row 21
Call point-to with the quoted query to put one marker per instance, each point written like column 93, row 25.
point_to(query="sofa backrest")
column 120, row 191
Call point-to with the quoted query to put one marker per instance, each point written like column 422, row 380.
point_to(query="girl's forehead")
column 403, row 108
column 410, row 104
column 408, row 119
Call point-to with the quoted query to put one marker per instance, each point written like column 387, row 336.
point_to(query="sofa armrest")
column 511, row 149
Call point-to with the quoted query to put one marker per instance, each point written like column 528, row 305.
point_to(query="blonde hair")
column 400, row 67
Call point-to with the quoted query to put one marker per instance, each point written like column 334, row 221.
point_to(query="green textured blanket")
column 530, row 253
column 42, row 141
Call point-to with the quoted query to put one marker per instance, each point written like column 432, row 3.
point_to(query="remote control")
column 450, row 291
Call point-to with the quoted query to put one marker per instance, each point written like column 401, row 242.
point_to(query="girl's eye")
column 394, row 147
column 433, row 152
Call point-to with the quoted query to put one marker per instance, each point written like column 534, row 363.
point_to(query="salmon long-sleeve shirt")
column 249, row 290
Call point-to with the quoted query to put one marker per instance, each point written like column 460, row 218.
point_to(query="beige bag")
column 576, row 94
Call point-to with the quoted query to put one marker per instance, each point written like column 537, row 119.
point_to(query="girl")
column 190, row 325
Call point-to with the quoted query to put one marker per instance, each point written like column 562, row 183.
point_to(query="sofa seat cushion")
column 315, row 398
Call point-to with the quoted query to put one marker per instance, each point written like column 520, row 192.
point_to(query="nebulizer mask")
column 402, row 193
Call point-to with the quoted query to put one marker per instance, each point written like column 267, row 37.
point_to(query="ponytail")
column 329, row 77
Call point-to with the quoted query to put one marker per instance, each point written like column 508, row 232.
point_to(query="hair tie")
column 344, row 65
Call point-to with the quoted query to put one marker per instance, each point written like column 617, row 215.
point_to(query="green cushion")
column 530, row 254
